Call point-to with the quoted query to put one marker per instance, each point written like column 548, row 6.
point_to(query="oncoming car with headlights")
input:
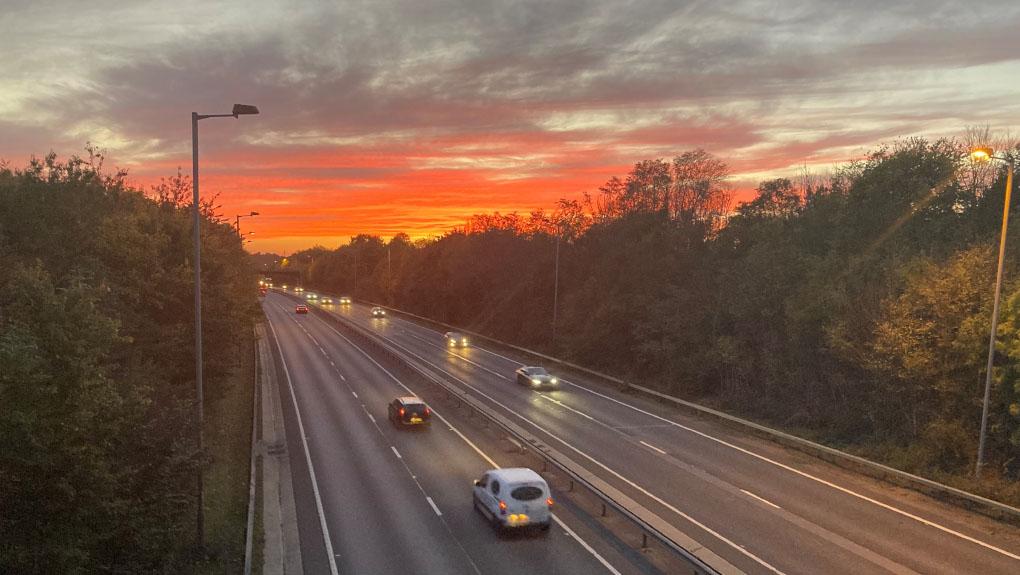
column 455, row 339
column 536, row 377
column 378, row 312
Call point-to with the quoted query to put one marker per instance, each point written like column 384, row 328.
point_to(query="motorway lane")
column 396, row 501
column 707, row 483
column 816, row 528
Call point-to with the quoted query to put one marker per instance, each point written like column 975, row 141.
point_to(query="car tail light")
column 427, row 412
column 502, row 507
column 549, row 502
column 401, row 412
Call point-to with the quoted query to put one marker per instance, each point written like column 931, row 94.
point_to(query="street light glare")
column 981, row 154
column 244, row 110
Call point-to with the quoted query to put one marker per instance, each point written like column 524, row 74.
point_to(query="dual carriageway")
column 374, row 499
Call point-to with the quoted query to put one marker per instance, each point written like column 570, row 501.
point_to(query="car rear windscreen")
column 526, row 493
column 415, row 409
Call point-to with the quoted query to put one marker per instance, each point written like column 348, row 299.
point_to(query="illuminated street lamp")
column 985, row 155
column 238, row 110
column 237, row 221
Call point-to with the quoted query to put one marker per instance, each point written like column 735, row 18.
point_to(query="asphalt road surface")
column 763, row 507
column 381, row 500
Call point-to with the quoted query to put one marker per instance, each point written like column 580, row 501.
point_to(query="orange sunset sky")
column 385, row 117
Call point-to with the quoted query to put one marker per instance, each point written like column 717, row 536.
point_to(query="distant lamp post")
column 238, row 110
column 986, row 155
column 556, row 286
column 237, row 221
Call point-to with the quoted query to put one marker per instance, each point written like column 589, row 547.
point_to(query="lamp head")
column 244, row 110
column 982, row 154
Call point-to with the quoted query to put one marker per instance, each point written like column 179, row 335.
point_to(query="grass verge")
column 228, row 421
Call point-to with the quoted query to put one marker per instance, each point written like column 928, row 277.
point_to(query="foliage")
column 96, row 348
column 855, row 308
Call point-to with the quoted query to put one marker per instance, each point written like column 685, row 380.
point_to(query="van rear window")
column 526, row 493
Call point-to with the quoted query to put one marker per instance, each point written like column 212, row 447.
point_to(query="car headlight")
column 463, row 341
column 536, row 381
column 554, row 380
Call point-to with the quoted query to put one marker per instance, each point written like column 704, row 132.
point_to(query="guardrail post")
column 644, row 541
column 571, row 489
column 603, row 509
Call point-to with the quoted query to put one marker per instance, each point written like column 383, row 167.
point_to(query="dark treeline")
column 99, row 461
column 852, row 308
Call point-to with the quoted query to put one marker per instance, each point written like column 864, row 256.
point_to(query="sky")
column 409, row 116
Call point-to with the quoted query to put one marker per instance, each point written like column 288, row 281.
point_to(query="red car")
column 301, row 309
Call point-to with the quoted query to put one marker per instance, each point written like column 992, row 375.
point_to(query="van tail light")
column 427, row 412
column 502, row 507
column 401, row 412
column 549, row 502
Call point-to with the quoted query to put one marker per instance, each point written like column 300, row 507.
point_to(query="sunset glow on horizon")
column 409, row 117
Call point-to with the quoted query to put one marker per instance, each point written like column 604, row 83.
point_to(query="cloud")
column 474, row 105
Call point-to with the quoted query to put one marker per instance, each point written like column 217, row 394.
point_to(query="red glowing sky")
column 409, row 116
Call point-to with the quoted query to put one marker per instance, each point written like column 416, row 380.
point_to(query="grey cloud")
column 488, row 66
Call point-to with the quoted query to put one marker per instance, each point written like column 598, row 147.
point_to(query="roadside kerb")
column 281, row 544
column 701, row 559
column 249, row 530
column 939, row 491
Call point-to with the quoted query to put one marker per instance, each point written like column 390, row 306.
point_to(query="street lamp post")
column 556, row 287
column 237, row 221
column 238, row 110
column 985, row 154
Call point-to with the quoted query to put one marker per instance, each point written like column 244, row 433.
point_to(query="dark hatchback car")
column 409, row 411
column 301, row 309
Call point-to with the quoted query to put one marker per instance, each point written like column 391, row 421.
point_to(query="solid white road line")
column 806, row 475
column 308, row 459
column 762, row 499
column 417, row 483
column 650, row 446
column 477, row 450
column 840, row 488
column 578, row 412
column 434, row 507
column 584, row 544
column 740, row 549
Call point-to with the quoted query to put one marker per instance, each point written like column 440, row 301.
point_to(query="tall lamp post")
column 237, row 221
column 238, row 110
column 556, row 286
column 987, row 154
